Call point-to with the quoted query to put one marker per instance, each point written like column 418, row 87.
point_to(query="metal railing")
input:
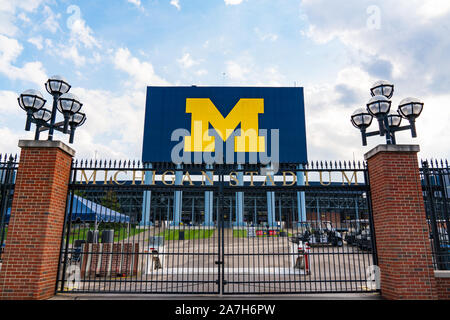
column 123, row 233
column 8, row 169
column 435, row 176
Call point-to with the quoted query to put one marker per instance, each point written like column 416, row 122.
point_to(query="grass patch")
column 188, row 234
column 119, row 234
column 239, row 233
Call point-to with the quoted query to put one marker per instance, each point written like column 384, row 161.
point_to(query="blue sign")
column 188, row 121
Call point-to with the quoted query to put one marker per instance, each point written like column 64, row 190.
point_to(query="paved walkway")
column 367, row 296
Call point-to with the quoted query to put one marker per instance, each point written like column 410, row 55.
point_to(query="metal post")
column 301, row 205
column 52, row 121
column 177, row 206
column 147, row 198
column 240, row 200
column 209, row 197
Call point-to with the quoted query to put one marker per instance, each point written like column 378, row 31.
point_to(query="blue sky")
column 111, row 50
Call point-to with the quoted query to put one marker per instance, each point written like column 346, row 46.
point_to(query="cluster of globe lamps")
column 32, row 102
column 389, row 121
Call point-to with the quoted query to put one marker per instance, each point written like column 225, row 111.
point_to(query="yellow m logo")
column 204, row 112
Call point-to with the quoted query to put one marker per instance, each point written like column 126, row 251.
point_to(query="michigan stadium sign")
column 224, row 125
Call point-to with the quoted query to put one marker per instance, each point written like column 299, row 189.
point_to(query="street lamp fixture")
column 66, row 103
column 389, row 121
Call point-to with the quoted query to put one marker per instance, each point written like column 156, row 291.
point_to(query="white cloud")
column 37, row 42
column 71, row 53
column 266, row 36
column 244, row 71
column 114, row 124
column 51, row 22
column 201, row 72
column 137, row 3
column 434, row 8
column 10, row 49
column 233, row 2
column 22, row 16
column 8, row 10
column 176, row 4
column 142, row 73
column 80, row 33
column 407, row 40
column 186, row 61
column 81, row 43
column 236, row 71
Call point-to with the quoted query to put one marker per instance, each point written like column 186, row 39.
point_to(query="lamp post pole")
column 52, row 121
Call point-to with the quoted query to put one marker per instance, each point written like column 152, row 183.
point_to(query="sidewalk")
column 349, row 296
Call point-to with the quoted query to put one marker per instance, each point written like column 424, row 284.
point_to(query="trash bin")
column 108, row 236
column 180, row 235
column 92, row 236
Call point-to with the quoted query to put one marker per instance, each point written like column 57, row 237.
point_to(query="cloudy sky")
column 110, row 50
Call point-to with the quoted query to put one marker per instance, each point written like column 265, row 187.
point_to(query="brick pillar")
column 30, row 262
column 401, row 231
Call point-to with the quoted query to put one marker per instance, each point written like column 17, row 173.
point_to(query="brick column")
column 401, row 231
column 30, row 262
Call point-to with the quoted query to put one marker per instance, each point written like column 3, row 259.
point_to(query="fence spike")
column 446, row 163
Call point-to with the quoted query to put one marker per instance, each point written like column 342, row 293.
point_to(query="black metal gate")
column 436, row 190
column 8, row 168
column 201, row 231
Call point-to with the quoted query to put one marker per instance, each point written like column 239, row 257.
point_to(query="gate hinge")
column 218, row 262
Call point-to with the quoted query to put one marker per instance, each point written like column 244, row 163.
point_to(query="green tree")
column 110, row 201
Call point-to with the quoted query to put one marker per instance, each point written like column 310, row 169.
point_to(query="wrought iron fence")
column 8, row 168
column 160, row 228
column 435, row 177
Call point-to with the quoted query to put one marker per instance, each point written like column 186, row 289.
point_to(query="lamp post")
column 389, row 122
column 32, row 102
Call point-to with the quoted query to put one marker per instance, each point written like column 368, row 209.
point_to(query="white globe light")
column 382, row 88
column 379, row 106
column 410, row 107
column 31, row 100
column 361, row 118
column 394, row 119
column 57, row 85
column 69, row 104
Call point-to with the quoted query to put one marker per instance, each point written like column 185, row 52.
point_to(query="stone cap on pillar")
column 391, row 148
column 47, row 144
